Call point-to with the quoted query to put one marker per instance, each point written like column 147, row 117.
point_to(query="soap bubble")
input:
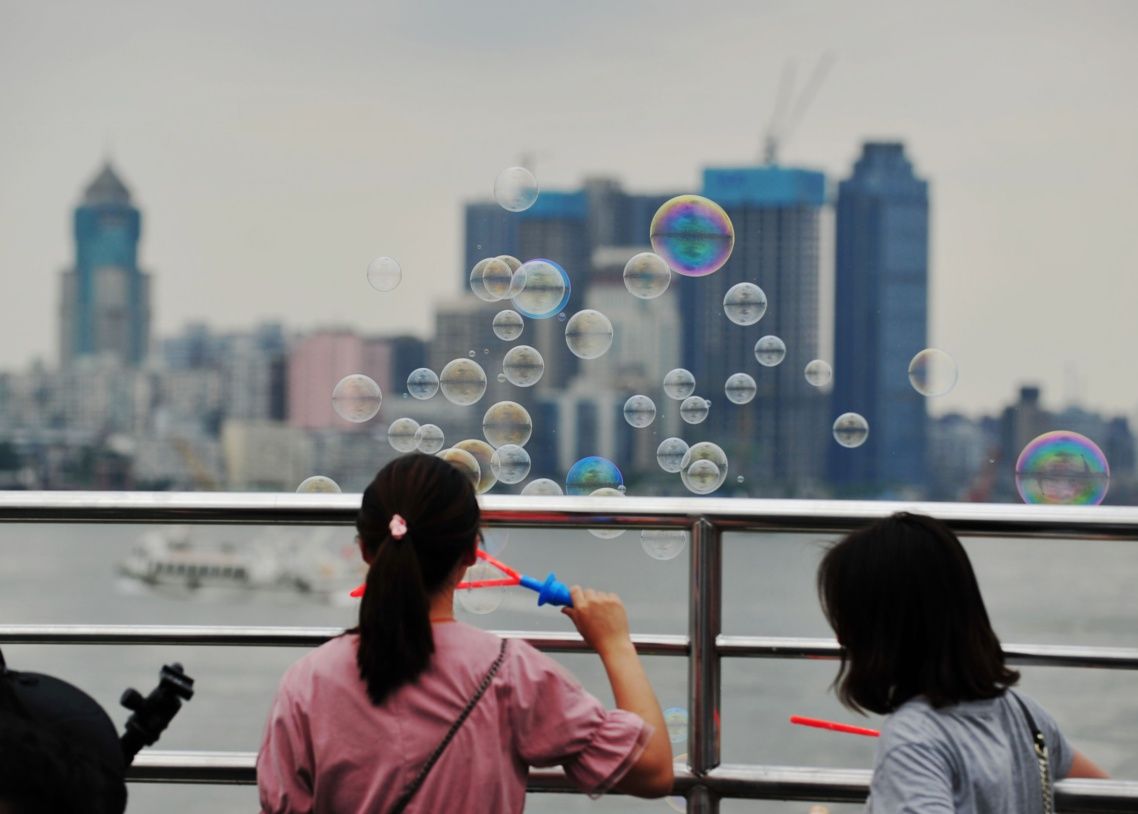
column 480, row 600
column 494, row 541
column 482, row 453
column 607, row 533
column 496, row 278
column 546, row 289
column 850, row 430
column 676, row 720
column 508, row 325
column 542, row 486
column 670, row 453
column 588, row 334
column 704, row 467
column 401, row 434
column 384, row 274
column 429, row 438
column 476, row 283
column 318, row 484
column 663, row 544
column 507, row 422
column 592, row 473
column 515, row 189
column 422, row 383
column 647, row 276
column 471, row 354
column 745, row 304
column 639, row 411
column 740, row 388
column 466, row 463
column 932, row 372
column 819, row 373
column 510, row 463
column 523, row 366
column 1062, row 467
column 511, row 261
column 679, row 384
column 694, row 409
column 770, row 351
column 693, row 235
column 463, row 381
column 356, row 398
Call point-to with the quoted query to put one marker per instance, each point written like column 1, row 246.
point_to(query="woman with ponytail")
column 414, row 711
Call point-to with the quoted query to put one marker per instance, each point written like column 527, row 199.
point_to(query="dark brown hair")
column 441, row 511
column 905, row 605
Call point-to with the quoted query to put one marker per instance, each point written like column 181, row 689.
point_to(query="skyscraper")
column 881, row 320
column 105, row 302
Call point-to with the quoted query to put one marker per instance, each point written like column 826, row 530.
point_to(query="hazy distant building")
column 317, row 362
column 105, row 298
column 881, row 320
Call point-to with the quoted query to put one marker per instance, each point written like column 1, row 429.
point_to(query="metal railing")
column 705, row 781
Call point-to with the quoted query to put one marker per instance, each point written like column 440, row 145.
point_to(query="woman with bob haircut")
column 916, row 645
column 413, row 710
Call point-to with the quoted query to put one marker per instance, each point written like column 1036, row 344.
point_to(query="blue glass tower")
column 881, row 320
column 105, row 308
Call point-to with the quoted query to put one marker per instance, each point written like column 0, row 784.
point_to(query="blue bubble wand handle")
column 550, row 592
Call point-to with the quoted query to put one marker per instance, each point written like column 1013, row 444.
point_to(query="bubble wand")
column 833, row 726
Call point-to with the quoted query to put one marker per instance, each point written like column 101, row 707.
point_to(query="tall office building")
column 881, row 320
column 105, row 302
column 777, row 441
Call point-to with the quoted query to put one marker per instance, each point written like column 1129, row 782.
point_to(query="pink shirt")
column 327, row 748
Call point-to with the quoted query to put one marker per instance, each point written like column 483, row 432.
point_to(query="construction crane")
column 787, row 114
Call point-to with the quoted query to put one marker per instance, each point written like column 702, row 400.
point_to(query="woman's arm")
column 1082, row 767
column 603, row 623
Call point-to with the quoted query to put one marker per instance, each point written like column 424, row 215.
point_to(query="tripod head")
column 152, row 714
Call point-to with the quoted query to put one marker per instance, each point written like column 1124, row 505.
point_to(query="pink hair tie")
column 398, row 527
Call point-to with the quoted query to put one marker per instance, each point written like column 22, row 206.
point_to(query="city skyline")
column 262, row 215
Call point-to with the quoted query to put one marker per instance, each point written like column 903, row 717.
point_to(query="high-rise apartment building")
column 881, row 321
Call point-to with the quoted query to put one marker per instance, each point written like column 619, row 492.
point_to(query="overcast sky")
column 276, row 147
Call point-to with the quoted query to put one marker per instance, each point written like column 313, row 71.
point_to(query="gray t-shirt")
column 975, row 757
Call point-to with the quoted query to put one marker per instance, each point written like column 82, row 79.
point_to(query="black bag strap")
column 413, row 786
column 1041, row 758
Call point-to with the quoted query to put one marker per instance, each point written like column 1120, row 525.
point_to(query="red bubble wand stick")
column 834, row 726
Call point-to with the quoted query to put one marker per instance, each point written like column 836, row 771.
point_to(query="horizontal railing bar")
column 1050, row 655
column 730, row 514
column 730, row 781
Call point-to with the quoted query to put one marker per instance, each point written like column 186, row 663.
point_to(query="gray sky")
column 276, row 147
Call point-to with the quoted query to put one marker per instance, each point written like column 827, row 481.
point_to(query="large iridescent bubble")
column 523, row 366
column 1062, row 467
column 647, row 276
column 463, row 382
column 588, row 334
column 357, row 398
column 693, row 234
column 592, row 473
column 507, row 422
column 546, row 289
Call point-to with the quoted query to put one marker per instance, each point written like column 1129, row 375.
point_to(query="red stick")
column 487, row 583
column 501, row 566
column 834, row 726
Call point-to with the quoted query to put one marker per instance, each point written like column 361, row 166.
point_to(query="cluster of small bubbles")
column 663, row 544
column 818, row 373
column 770, row 351
column 606, row 534
column 1062, row 467
column 463, row 382
column 592, row 473
column 384, row 273
column 402, row 434
column 740, row 388
column 496, row 278
column 676, row 720
column 670, row 453
column 482, row 453
column 693, row 234
column 480, row 601
column 745, row 303
column 523, row 366
column 356, row 398
column 850, row 430
column 647, row 276
column 588, row 334
column 933, row 372
column 694, row 409
column 679, row 384
column 542, row 486
column 494, row 541
column 639, row 411
column 508, row 325
column 545, row 291
column 704, row 468
column 422, row 384
column 464, row 462
column 507, row 422
column 429, row 438
column 510, row 463
column 515, row 189
column 318, row 484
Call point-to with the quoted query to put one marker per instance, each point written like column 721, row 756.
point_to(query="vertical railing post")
column 705, row 620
